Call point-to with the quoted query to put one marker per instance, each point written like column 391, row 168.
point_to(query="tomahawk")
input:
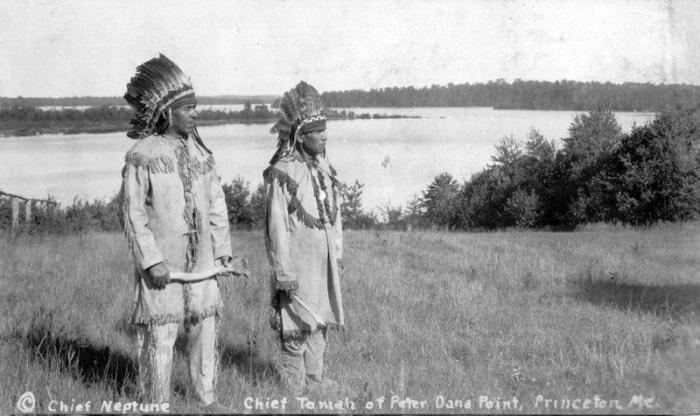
column 182, row 277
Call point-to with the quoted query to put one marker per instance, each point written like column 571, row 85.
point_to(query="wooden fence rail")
column 28, row 202
column 43, row 201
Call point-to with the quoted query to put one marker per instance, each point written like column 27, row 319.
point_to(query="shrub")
column 240, row 213
column 523, row 208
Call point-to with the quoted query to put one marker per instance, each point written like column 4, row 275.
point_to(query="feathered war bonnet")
column 302, row 112
column 158, row 85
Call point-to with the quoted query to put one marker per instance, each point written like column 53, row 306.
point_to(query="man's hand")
column 159, row 274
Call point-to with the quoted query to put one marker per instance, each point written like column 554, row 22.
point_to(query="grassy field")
column 607, row 312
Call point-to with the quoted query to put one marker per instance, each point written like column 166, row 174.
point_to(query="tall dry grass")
column 605, row 311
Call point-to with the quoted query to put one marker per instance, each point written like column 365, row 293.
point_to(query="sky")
column 53, row 48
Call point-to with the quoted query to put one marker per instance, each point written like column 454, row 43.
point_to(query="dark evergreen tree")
column 585, row 153
column 439, row 201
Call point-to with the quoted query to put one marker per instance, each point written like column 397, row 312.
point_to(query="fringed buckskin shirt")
column 304, row 240
column 174, row 211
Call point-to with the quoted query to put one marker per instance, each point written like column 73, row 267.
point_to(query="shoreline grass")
column 607, row 312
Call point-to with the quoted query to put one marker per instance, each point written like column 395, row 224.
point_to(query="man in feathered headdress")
column 175, row 219
column 304, row 239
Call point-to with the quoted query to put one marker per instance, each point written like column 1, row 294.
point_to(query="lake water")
column 395, row 158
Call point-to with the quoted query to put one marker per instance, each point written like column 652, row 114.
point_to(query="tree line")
column 525, row 95
column 499, row 94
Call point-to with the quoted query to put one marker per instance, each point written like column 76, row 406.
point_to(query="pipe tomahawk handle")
column 198, row 276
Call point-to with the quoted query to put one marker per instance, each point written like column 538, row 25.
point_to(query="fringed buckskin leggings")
column 155, row 354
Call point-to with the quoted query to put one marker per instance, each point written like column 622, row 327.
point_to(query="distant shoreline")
column 13, row 125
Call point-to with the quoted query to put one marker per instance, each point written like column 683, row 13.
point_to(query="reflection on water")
column 395, row 158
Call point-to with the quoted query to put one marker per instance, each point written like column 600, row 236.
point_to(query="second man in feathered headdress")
column 303, row 234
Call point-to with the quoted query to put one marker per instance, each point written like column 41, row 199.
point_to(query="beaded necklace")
column 322, row 198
